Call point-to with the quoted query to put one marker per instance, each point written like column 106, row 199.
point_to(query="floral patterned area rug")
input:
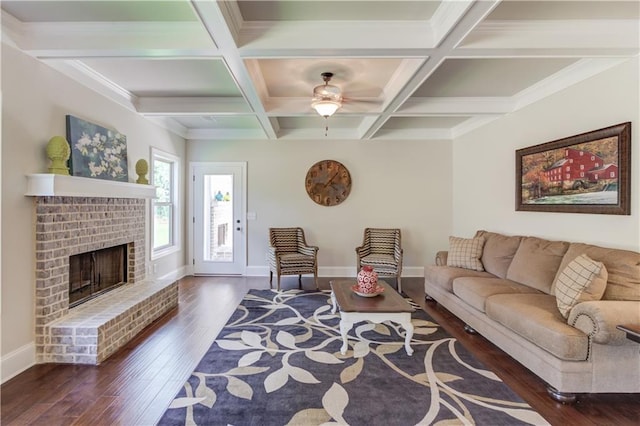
column 278, row 362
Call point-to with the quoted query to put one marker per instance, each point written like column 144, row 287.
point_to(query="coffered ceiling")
column 246, row 69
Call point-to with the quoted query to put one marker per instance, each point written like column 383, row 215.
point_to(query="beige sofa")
column 512, row 304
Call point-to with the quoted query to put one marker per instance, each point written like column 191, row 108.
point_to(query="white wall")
column 35, row 101
column 402, row 184
column 484, row 162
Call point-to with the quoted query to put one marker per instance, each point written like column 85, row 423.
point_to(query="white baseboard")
column 178, row 273
column 17, row 361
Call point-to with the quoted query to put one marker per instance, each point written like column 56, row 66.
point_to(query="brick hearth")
column 89, row 333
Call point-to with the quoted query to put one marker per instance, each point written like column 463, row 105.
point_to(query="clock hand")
column 330, row 180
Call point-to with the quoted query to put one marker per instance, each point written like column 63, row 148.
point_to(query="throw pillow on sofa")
column 581, row 280
column 465, row 253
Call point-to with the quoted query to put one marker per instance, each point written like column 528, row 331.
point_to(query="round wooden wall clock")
column 328, row 182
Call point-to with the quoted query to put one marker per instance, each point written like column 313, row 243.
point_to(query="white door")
column 218, row 218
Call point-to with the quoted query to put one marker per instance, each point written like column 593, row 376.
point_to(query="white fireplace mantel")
column 48, row 185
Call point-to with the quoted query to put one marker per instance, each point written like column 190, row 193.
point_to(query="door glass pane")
column 218, row 218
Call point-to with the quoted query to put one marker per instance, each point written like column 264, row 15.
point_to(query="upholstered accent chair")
column 289, row 254
column 382, row 249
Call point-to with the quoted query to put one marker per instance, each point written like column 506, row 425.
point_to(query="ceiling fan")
column 327, row 98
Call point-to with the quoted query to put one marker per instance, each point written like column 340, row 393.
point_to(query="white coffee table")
column 388, row 306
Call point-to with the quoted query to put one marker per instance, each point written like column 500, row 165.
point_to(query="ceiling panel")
column 488, row 77
column 343, row 10
column 100, row 11
column 168, row 77
column 362, row 77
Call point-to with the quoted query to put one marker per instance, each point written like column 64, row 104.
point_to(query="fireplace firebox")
column 96, row 272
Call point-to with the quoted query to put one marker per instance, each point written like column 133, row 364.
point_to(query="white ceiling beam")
column 474, row 15
column 224, row 134
column 455, row 106
column 447, row 16
column 319, row 133
column 212, row 17
column 547, row 52
column 335, row 52
column 421, row 133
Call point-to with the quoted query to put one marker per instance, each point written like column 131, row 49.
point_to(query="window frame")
column 175, row 235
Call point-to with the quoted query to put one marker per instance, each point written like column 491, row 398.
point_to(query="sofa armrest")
column 599, row 319
column 441, row 258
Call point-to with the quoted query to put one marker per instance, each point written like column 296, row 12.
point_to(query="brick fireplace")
column 89, row 333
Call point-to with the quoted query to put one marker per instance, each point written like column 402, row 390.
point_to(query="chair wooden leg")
column 278, row 282
column 399, row 284
column 300, row 282
column 270, row 279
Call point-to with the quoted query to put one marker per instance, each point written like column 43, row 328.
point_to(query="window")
column 165, row 236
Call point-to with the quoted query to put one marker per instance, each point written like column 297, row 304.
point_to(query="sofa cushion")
column 443, row 276
column 623, row 269
column 498, row 252
column 536, row 262
column 475, row 290
column 465, row 253
column 536, row 318
column 583, row 279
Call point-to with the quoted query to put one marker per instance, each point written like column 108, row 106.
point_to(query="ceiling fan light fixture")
column 327, row 98
column 326, row 108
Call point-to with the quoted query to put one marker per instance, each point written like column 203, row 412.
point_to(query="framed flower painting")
column 96, row 152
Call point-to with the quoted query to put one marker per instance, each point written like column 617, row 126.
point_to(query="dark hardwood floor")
column 135, row 385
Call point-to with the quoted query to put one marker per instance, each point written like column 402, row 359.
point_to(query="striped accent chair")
column 382, row 249
column 289, row 254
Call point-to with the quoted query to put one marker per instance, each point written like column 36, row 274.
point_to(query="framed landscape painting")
column 585, row 173
column 96, row 152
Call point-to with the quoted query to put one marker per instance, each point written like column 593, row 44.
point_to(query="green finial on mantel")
column 58, row 151
column 142, row 168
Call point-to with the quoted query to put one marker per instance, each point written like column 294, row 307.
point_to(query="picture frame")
column 585, row 173
column 96, row 152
